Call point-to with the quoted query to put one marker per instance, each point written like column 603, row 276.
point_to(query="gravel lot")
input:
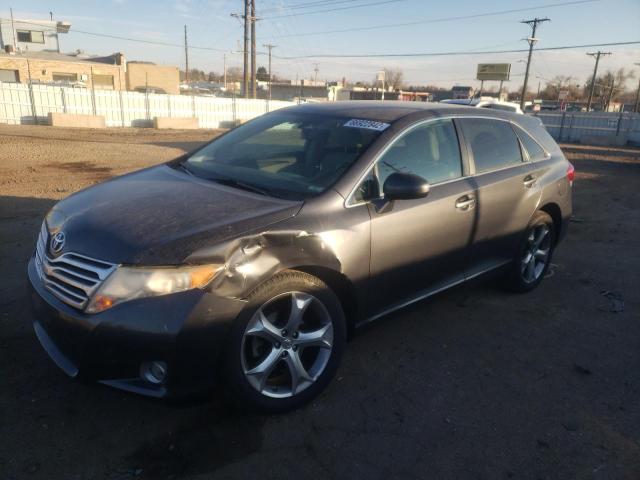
column 473, row 384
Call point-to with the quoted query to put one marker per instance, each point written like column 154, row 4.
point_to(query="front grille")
column 71, row 277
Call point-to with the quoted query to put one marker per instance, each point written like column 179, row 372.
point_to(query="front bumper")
column 187, row 331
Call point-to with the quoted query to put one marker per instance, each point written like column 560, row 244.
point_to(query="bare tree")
column 234, row 74
column 561, row 83
column 610, row 86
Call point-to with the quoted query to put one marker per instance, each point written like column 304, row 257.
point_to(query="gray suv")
column 253, row 259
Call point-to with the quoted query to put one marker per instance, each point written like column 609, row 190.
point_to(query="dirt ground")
column 473, row 384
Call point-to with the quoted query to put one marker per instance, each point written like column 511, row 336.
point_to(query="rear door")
column 418, row 246
column 505, row 188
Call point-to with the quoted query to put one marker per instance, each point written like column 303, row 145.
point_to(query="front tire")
column 533, row 256
column 287, row 343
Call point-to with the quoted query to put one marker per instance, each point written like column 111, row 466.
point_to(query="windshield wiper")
column 184, row 168
column 230, row 182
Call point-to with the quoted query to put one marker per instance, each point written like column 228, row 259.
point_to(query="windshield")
column 286, row 154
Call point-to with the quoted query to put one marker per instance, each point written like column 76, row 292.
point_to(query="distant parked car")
column 150, row 90
column 252, row 259
column 486, row 102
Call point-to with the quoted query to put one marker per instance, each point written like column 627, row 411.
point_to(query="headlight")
column 128, row 283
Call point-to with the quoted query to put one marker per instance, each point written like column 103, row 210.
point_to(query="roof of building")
column 63, row 57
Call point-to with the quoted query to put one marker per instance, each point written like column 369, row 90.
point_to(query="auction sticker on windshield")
column 368, row 124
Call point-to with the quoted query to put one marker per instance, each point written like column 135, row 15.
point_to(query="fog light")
column 153, row 372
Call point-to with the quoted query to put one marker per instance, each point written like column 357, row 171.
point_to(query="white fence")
column 583, row 126
column 21, row 103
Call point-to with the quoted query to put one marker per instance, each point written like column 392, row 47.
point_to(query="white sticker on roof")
column 368, row 124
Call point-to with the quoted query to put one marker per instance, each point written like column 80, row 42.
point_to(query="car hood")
column 159, row 216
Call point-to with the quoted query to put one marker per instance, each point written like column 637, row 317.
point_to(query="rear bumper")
column 187, row 331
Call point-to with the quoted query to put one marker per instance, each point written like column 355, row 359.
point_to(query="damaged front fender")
column 250, row 260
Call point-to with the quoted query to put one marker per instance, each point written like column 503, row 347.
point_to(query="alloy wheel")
column 536, row 253
column 287, row 344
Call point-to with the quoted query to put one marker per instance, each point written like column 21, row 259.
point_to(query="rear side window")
column 533, row 148
column 493, row 143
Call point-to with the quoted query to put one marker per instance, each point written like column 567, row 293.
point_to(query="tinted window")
column 287, row 154
column 430, row 151
column 493, row 143
column 533, row 148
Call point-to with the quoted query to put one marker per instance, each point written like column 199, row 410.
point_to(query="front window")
column 65, row 77
column 286, row 154
column 430, row 151
column 30, row 36
column 104, row 82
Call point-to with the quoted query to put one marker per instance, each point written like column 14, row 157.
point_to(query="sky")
column 304, row 28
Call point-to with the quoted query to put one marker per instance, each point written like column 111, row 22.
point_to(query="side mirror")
column 405, row 186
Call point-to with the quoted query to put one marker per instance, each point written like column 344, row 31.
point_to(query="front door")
column 418, row 246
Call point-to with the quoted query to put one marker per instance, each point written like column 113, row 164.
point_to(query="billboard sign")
column 493, row 71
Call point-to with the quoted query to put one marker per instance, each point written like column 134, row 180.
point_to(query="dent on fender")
column 250, row 260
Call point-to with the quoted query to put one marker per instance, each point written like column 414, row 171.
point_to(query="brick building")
column 68, row 70
column 108, row 73
column 142, row 75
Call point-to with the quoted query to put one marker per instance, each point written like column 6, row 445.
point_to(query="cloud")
column 182, row 6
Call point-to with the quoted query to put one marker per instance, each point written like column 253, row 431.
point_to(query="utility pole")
column 224, row 67
column 531, row 40
column 13, row 32
column 186, row 56
column 637, row 108
column 597, row 56
column 610, row 96
column 245, row 50
column 253, row 49
column 316, row 70
column 270, row 47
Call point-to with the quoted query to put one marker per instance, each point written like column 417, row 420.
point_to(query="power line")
column 441, row 54
column 439, row 20
column 315, row 4
column 336, row 9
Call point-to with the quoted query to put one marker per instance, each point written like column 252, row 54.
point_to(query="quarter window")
column 493, row 143
column 533, row 148
column 430, row 151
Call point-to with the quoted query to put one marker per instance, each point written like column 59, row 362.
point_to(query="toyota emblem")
column 57, row 243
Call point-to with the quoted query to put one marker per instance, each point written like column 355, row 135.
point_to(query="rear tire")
column 286, row 344
column 533, row 256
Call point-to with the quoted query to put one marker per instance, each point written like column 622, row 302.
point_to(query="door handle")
column 529, row 181
column 465, row 202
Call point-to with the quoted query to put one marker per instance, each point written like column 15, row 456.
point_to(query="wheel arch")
column 342, row 287
column 553, row 210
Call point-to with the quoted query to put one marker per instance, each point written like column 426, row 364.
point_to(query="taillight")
column 571, row 173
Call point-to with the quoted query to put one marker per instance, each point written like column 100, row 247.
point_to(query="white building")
column 31, row 35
